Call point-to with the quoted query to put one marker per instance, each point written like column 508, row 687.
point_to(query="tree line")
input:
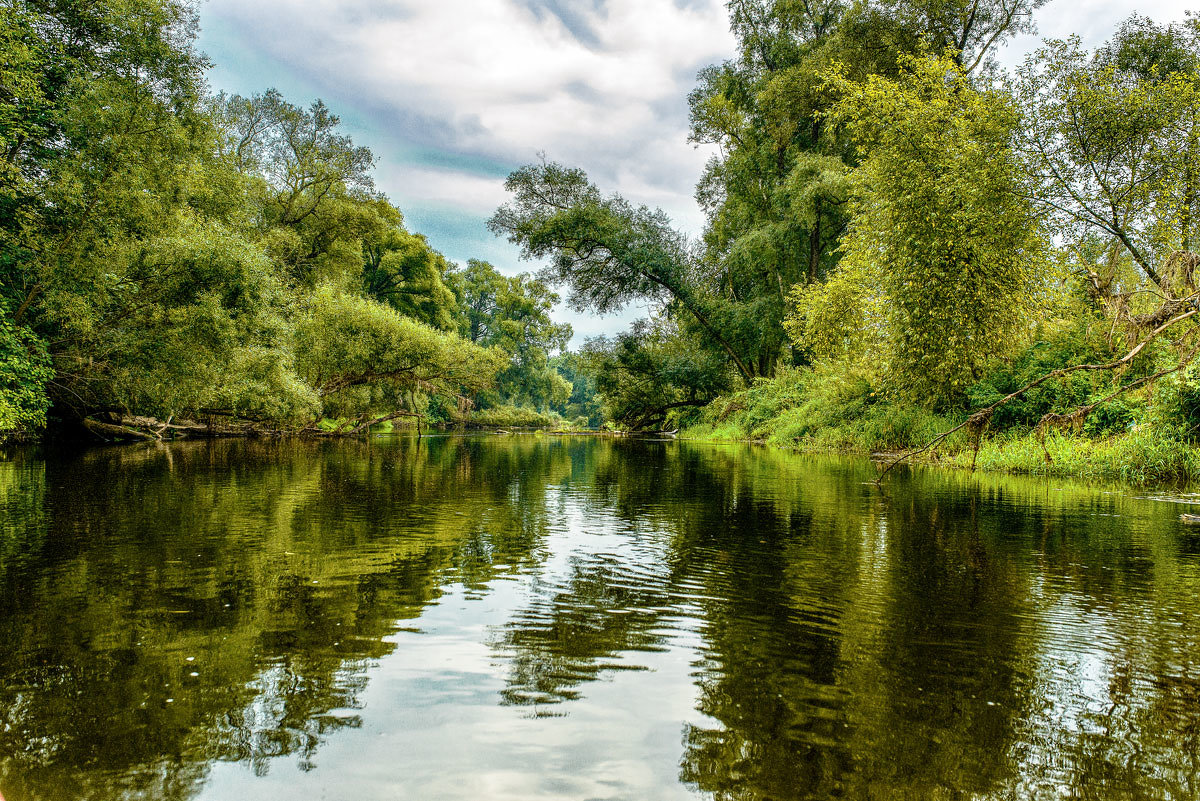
column 897, row 229
column 174, row 260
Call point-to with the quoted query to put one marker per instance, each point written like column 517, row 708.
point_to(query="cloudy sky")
column 452, row 95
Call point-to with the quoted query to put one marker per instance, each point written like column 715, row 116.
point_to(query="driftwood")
column 120, row 427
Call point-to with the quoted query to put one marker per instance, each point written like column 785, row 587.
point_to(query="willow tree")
column 363, row 359
column 943, row 255
column 775, row 190
column 609, row 251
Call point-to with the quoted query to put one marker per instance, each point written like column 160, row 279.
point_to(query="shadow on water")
column 168, row 610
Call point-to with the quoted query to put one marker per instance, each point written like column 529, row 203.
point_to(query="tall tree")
column 1113, row 142
column 942, row 259
column 606, row 250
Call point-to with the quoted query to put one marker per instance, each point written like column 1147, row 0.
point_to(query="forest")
column 908, row 247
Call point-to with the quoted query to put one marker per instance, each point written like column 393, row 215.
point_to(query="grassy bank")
column 809, row 410
column 1143, row 456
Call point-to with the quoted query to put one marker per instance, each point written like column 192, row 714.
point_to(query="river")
column 528, row 617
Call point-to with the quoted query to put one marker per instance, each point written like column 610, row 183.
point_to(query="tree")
column 943, row 256
column 24, row 371
column 969, row 30
column 584, row 400
column 775, row 194
column 361, row 356
column 1113, row 141
column 1110, row 144
column 513, row 313
column 316, row 190
column 650, row 371
column 167, row 254
column 606, row 250
column 402, row 270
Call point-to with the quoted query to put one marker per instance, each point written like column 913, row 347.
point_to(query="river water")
column 569, row 618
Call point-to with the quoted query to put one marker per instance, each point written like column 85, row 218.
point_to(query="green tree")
column 174, row 251
column 651, row 371
column 24, row 371
column 361, row 356
column 402, row 270
column 606, row 250
column 775, row 194
column 513, row 313
column 584, row 400
column 1112, row 141
column 944, row 255
column 314, row 183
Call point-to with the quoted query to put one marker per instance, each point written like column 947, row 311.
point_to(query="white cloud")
column 1094, row 21
column 472, row 193
column 598, row 86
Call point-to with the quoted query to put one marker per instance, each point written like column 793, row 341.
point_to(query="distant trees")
column 512, row 314
column 650, row 371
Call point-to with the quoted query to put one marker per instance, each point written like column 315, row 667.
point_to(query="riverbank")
column 840, row 417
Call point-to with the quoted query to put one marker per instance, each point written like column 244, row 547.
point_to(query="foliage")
column 1049, row 350
column 817, row 409
column 943, row 257
column 357, row 354
column 168, row 253
column 775, row 194
column 1112, row 142
column 402, row 270
column 516, row 417
column 1144, row 455
column 651, row 372
column 24, row 370
column 513, row 313
column 606, row 250
column 584, row 402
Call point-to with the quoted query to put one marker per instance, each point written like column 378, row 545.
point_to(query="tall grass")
column 819, row 410
column 1144, row 455
column 824, row 410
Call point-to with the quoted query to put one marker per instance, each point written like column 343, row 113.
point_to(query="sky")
column 452, row 95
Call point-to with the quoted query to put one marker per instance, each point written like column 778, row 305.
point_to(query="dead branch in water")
column 1168, row 315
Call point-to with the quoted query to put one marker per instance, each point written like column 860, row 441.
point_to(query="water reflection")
column 535, row 617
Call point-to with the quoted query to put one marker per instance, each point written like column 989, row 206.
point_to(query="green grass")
column 1145, row 455
column 810, row 410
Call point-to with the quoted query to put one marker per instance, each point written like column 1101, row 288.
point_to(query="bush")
column 819, row 409
column 515, row 417
column 24, row 370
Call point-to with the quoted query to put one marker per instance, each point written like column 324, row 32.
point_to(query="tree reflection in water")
column 167, row 609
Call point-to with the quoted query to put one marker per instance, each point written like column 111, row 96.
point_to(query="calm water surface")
column 541, row 618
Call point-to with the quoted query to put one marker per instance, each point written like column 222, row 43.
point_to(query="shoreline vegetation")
column 907, row 249
column 1139, row 457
